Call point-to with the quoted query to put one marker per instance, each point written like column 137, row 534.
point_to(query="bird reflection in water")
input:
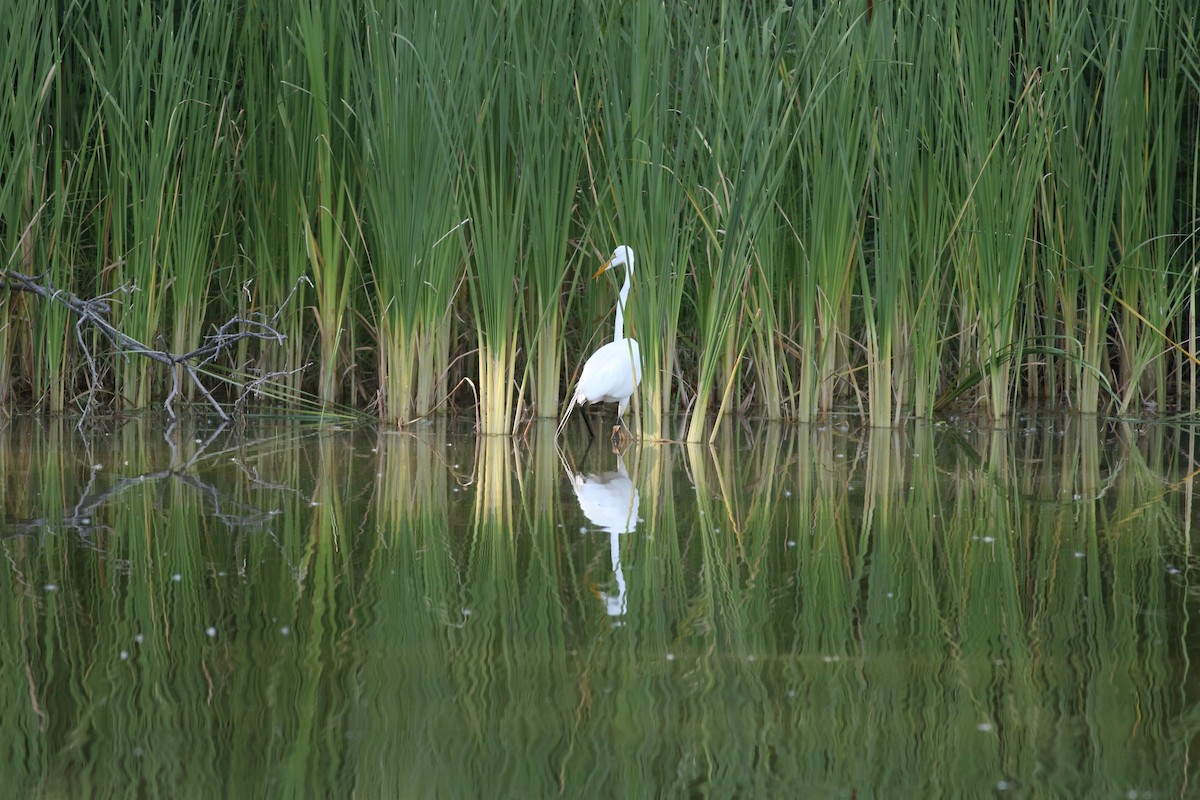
column 610, row 502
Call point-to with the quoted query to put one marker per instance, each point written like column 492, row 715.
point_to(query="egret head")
column 622, row 256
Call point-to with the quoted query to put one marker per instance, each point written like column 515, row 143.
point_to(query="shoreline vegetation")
column 899, row 207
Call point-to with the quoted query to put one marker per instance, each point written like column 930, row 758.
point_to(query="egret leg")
column 584, row 413
column 619, row 430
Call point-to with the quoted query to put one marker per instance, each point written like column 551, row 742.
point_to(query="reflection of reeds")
column 494, row 468
column 876, row 609
column 413, row 477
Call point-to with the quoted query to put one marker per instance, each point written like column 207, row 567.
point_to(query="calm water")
column 828, row 611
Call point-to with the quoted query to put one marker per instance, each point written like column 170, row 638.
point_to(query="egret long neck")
column 619, row 328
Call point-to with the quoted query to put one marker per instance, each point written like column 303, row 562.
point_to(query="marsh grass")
column 747, row 120
column 555, row 70
column 823, row 203
column 412, row 245
column 896, row 207
column 317, row 126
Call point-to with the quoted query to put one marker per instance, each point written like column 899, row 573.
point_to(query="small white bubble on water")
column 989, row 539
column 985, row 727
column 791, row 542
column 51, row 587
column 221, row 573
column 285, row 631
column 177, row 577
column 1005, row 786
column 787, row 492
column 139, row 638
column 890, row 595
column 1080, row 554
column 211, row 631
column 670, row 656
column 124, row 655
column 582, row 529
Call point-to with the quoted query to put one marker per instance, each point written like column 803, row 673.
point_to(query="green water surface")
column 291, row 610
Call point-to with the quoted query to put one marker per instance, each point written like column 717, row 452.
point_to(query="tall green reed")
column 1149, row 287
column 139, row 70
column 1189, row 337
column 32, row 201
column 823, row 203
column 1098, row 158
column 70, row 243
column 494, row 198
column 317, row 126
column 409, row 215
column 995, row 135
column 198, row 217
column 549, row 56
column 746, row 117
column 272, row 252
column 904, row 269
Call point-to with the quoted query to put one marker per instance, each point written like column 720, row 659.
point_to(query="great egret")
column 615, row 370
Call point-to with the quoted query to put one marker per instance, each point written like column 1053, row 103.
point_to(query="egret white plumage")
column 614, row 371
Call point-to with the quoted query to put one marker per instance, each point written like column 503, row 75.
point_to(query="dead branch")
column 94, row 313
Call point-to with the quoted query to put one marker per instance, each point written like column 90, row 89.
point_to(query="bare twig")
column 94, row 312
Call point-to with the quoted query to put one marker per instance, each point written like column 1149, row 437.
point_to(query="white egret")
column 614, row 371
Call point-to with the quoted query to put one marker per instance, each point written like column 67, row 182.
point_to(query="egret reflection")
column 609, row 500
